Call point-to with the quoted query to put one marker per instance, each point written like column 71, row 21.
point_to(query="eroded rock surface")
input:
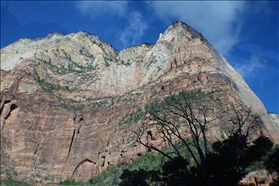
column 259, row 177
column 66, row 98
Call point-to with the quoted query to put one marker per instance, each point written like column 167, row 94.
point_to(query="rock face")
column 260, row 177
column 274, row 118
column 65, row 99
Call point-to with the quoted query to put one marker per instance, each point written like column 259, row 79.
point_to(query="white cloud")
column 256, row 49
column 102, row 8
column 128, row 35
column 219, row 21
column 250, row 69
column 135, row 29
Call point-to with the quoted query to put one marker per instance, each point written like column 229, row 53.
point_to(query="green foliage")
column 10, row 173
column 223, row 167
column 148, row 44
column 69, row 107
column 11, row 182
column 226, row 163
column 108, row 178
column 69, row 182
column 74, row 67
column 99, row 101
column 195, row 100
column 107, row 61
column 231, row 159
column 139, row 177
column 89, row 67
column 174, row 172
column 133, row 117
column 50, row 87
column 272, row 161
column 222, row 162
column 114, row 175
column 147, row 161
column 107, row 64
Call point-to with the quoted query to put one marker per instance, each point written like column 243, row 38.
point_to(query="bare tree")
column 179, row 118
column 245, row 122
column 187, row 118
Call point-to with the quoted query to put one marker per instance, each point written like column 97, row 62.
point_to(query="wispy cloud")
column 251, row 68
column 135, row 29
column 220, row 21
column 131, row 32
column 95, row 9
column 258, row 50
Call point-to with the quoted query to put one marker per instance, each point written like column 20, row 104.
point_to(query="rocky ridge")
column 65, row 98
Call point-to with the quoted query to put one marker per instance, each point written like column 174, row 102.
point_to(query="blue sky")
column 246, row 33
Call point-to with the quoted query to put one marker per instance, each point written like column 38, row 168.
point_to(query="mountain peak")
column 179, row 26
column 81, row 100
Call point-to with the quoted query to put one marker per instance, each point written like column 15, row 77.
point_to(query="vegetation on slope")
column 194, row 160
column 150, row 169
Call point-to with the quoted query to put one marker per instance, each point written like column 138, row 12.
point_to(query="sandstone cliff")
column 65, row 98
column 274, row 118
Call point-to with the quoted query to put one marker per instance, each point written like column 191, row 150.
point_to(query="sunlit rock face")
column 64, row 99
column 274, row 118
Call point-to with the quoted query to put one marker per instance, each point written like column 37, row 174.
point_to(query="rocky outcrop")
column 67, row 100
column 259, row 178
column 133, row 54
